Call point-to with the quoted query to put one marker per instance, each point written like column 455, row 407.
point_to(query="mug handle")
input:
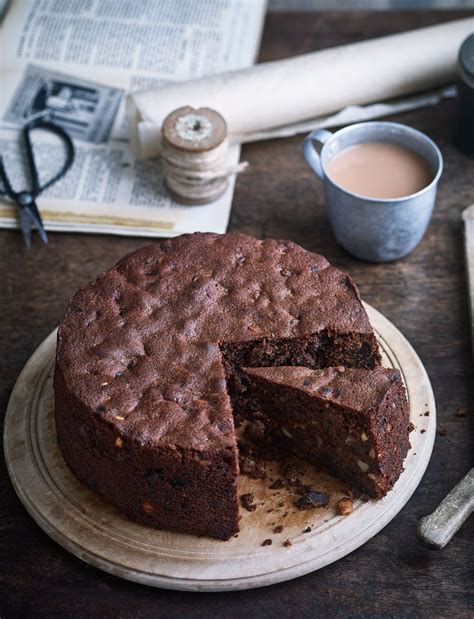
column 311, row 155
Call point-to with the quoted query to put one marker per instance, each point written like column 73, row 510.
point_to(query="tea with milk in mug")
column 379, row 170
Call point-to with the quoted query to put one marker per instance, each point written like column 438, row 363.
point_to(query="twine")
column 198, row 176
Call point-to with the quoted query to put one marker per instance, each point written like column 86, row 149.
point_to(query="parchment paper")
column 289, row 96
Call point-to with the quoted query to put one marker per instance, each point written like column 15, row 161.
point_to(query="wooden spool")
column 189, row 131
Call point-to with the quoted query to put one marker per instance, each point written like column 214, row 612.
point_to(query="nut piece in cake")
column 344, row 506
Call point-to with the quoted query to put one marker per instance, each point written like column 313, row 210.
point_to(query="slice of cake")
column 353, row 422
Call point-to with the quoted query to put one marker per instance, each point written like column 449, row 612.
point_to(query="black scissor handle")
column 38, row 123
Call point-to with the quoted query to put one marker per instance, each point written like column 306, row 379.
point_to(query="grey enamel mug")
column 375, row 229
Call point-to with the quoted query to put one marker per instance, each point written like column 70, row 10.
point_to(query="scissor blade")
column 42, row 234
column 26, row 225
column 36, row 217
column 29, row 219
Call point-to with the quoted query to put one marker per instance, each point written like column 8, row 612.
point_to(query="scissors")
column 26, row 200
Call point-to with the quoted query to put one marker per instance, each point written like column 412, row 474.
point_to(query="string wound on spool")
column 194, row 149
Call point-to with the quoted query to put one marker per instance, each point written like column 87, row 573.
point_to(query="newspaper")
column 73, row 61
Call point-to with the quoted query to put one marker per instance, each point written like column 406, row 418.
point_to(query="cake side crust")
column 189, row 490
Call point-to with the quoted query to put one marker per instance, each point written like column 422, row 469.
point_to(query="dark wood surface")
column 424, row 295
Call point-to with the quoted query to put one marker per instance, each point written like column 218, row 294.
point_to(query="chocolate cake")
column 353, row 422
column 148, row 371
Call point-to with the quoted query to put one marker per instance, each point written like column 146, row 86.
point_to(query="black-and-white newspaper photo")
column 86, row 110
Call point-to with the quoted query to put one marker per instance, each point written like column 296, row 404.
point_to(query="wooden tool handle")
column 468, row 218
column 437, row 529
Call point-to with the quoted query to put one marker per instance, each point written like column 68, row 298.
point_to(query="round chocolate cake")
column 149, row 372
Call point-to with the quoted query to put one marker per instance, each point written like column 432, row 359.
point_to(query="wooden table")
column 424, row 295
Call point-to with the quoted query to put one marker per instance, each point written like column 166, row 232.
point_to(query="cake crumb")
column 427, row 414
column 422, row 431
column 312, row 498
column 267, row 542
column 288, row 469
column 278, row 529
column 442, row 431
column 277, row 484
column 287, row 543
column 307, row 530
column 344, row 506
column 252, row 468
column 247, row 501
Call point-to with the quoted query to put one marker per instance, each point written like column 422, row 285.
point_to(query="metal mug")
column 378, row 230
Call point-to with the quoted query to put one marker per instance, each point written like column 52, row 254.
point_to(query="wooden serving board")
column 92, row 530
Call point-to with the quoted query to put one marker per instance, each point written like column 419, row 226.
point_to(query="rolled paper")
column 284, row 92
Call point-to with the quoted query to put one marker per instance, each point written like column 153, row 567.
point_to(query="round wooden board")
column 92, row 530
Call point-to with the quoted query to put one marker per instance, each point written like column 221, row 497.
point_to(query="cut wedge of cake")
column 353, row 422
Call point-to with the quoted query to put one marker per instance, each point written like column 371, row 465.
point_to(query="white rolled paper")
column 285, row 92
